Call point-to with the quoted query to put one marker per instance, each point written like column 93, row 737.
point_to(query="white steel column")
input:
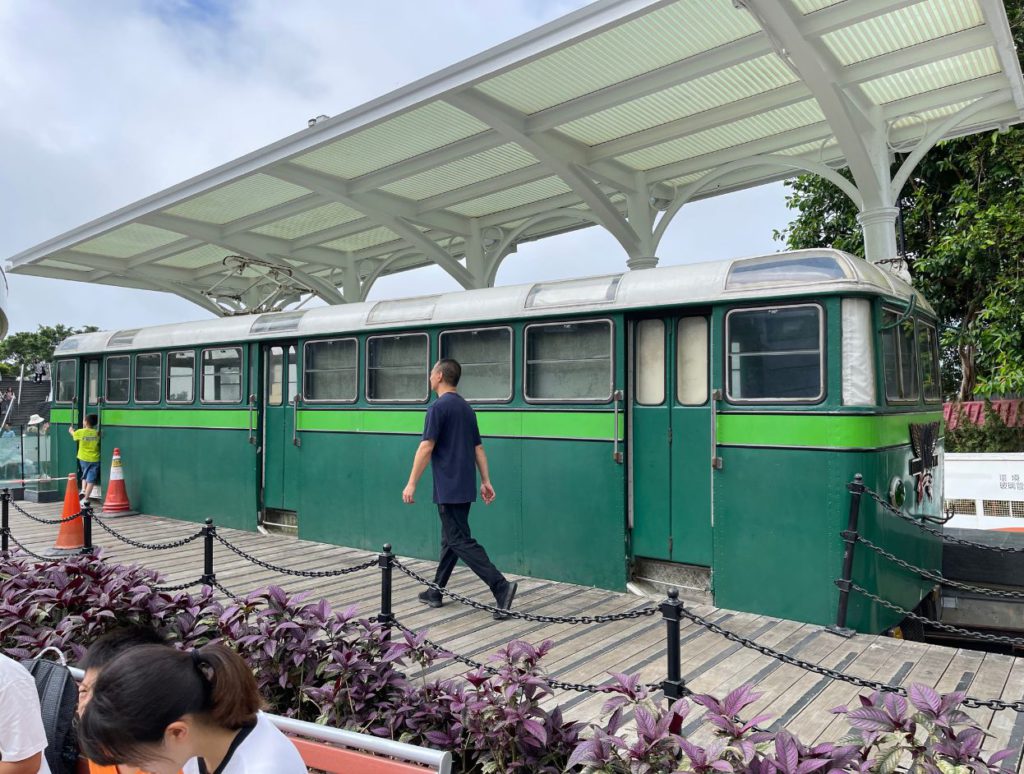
column 879, row 227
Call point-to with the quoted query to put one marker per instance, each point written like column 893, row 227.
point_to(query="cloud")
column 102, row 104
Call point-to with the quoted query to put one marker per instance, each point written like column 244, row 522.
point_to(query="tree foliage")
column 30, row 347
column 963, row 219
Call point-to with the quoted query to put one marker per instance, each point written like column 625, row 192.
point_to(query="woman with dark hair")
column 162, row 710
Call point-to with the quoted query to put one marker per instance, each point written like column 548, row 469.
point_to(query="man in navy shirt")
column 451, row 445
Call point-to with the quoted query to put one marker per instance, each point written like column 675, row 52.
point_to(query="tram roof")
column 782, row 275
column 518, row 142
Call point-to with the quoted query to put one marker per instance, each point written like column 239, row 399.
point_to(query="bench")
column 340, row 752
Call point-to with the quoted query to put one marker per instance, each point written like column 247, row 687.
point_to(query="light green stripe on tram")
column 60, row 416
column 819, row 430
column 589, row 426
column 214, row 419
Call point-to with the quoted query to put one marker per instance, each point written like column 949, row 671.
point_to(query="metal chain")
column 30, row 553
column 787, row 659
column 41, row 520
column 577, row 687
column 937, row 576
column 227, row 592
column 1015, row 641
column 640, row 612
column 938, row 532
column 993, row 704
column 179, row 587
column 298, row 573
column 147, row 546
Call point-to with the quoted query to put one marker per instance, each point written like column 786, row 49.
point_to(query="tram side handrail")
column 252, row 409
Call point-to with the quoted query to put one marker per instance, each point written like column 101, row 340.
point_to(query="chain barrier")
column 227, row 592
column 993, row 704
column 550, row 682
column 640, row 612
column 297, row 573
column 40, row 520
column 30, row 553
column 938, row 577
column 147, row 546
column 938, row 532
column 179, row 587
column 1015, row 641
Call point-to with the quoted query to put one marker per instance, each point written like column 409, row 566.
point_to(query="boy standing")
column 88, row 438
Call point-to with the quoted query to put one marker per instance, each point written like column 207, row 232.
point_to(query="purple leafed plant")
column 68, row 604
column 316, row 663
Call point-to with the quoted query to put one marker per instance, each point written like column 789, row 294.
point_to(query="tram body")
column 708, row 415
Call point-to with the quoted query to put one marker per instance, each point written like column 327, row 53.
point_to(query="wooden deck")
column 797, row 699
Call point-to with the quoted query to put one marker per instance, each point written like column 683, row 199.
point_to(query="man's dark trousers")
column 457, row 542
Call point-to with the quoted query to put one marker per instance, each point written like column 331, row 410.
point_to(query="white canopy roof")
column 615, row 115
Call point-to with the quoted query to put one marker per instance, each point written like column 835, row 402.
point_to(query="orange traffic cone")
column 71, row 537
column 117, row 496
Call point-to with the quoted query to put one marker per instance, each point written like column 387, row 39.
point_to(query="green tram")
column 706, row 416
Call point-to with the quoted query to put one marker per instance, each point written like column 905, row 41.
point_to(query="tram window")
column 692, row 361
column 899, row 358
column 650, row 362
column 147, row 378
column 181, row 368
column 775, row 354
column 569, row 361
column 67, row 381
column 275, row 376
column 92, row 381
column 485, row 355
column 118, row 378
column 397, row 368
column 928, row 344
column 330, row 370
column 222, row 375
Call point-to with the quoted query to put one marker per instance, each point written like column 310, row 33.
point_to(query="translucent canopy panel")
column 623, row 104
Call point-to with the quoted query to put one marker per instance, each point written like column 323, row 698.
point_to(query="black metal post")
column 87, row 528
column 856, row 489
column 209, row 532
column 385, row 560
column 5, row 520
column 673, row 687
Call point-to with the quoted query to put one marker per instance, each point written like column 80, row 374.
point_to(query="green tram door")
column 281, row 444
column 670, row 440
column 92, row 403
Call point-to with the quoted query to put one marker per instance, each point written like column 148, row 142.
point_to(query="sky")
column 103, row 104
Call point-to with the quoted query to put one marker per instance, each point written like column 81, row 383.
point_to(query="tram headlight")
column 897, row 492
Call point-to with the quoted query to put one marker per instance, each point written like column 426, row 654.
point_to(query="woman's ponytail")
column 234, row 698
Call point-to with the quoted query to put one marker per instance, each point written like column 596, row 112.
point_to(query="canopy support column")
column 879, row 227
column 641, row 214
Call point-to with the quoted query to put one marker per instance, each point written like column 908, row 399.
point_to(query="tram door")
column 280, row 437
column 670, row 440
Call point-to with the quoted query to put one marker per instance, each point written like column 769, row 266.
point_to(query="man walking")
column 88, row 439
column 451, row 445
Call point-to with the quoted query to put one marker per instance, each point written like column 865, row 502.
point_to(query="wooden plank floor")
column 797, row 699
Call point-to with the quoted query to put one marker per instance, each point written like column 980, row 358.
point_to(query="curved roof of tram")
column 795, row 273
column 554, row 130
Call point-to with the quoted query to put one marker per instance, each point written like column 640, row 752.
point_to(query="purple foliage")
column 316, row 663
